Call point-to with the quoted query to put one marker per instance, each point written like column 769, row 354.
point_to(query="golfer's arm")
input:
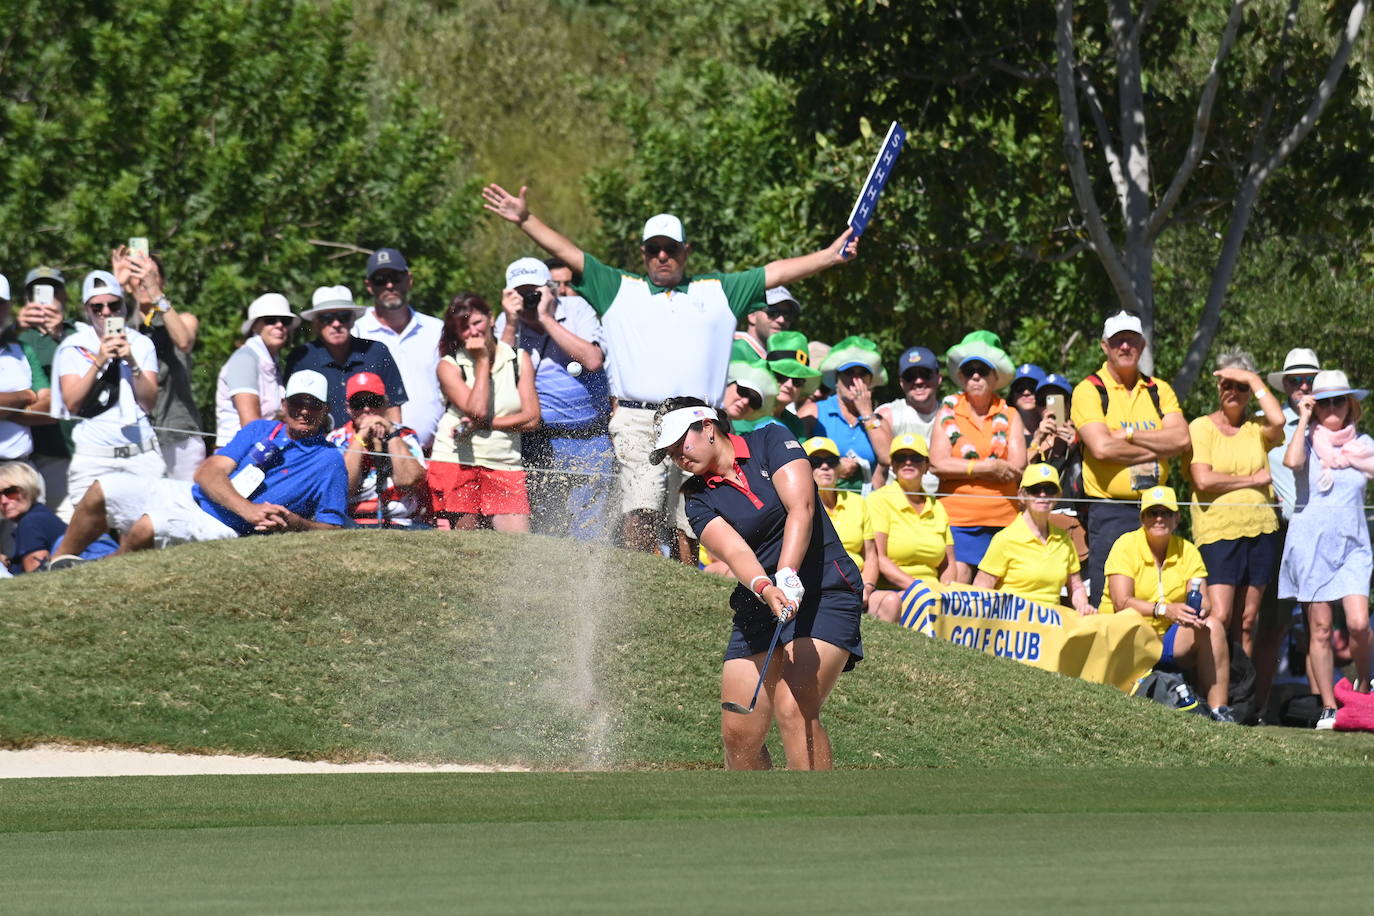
column 797, row 490
column 723, row 542
column 554, row 242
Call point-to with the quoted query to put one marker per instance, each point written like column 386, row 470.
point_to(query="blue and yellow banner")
column 1116, row 649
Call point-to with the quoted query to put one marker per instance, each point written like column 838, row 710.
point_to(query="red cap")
column 365, row 381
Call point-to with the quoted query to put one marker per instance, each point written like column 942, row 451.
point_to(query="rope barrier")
column 1088, row 500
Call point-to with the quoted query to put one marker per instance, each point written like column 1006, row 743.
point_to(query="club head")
column 735, row 707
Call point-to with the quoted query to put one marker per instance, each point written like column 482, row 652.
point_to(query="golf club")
column 735, row 707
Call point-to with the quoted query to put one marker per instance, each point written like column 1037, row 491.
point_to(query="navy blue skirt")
column 831, row 615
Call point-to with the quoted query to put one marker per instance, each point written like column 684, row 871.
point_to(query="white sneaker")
column 1327, row 720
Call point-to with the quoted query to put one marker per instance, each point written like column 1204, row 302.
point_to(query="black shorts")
column 1242, row 561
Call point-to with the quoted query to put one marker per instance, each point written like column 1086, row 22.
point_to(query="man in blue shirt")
column 337, row 355
column 272, row 476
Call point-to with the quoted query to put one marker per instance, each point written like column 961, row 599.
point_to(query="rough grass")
column 489, row 648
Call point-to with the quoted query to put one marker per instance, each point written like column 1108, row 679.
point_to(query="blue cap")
column 1055, row 380
column 917, row 358
column 387, row 259
column 1030, row 371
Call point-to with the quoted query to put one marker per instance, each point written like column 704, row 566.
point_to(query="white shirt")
column 15, row 375
column 416, row 353
column 125, row 423
column 907, row 419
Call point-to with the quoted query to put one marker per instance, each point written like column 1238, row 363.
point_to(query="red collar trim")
column 741, row 451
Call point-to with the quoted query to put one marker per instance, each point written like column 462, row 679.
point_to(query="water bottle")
column 1195, row 596
column 249, row 480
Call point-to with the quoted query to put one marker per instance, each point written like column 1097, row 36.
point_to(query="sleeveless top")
column 969, row 440
column 497, row 449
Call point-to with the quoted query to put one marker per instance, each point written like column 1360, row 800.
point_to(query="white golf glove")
column 789, row 582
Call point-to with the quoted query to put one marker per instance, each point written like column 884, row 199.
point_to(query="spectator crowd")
column 533, row 411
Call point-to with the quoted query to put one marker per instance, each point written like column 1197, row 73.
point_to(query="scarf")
column 1340, row 449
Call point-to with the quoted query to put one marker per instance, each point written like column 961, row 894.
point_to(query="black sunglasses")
column 799, row 382
column 365, row 400
column 824, row 461
column 979, row 369
column 274, row 319
column 304, row 402
column 671, row 249
column 1020, row 390
column 753, row 397
column 1043, row 489
column 340, row 317
column 780, row 311
column 387, row 278
column 908, row 458
column 917, row 375
column 11, row 492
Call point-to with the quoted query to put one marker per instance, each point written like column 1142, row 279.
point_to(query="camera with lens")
column 529, row 300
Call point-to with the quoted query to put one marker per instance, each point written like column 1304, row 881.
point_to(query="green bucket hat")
column 986, row 347
column 756, row 376
column 789, row 356
column 854, row 351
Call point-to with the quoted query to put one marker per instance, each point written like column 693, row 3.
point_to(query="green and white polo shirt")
column 662, row 342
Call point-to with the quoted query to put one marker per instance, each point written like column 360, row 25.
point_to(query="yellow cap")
column 821, row 444
column 909, row 442
column 1040, row 473
column 1159, row 496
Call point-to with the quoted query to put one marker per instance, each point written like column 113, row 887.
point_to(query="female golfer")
column 753, row 504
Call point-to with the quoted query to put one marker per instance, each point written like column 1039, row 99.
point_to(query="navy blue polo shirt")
column 363, row 356
column 757, row 513
column 311, row 481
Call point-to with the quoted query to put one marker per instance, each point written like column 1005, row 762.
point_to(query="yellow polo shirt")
column 916, row 540
column 1034, row 570
column 1125, row 408
column 1240, row 513
column 852, row 523
column 1131, row 556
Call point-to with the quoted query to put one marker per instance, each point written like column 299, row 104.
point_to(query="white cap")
column 527, row 272
column 331, row 299
column 780, row 294
column 308, row 381
column 666, row 225
column 100, row 283
column 673, row 425
column 4, row 287
column 1122, row 321
column 265, row 305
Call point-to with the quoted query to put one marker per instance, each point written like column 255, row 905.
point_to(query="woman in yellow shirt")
column 1234, row 524
column 1030, row 557
column 847, row 510
column 1148, row 571
column 910, row 529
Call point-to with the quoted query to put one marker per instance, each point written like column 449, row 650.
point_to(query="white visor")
column 674, row 425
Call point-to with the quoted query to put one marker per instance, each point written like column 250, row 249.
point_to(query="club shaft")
column 767, row 660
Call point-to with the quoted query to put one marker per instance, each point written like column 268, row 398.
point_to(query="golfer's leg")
column 744, row 735
column 87, row 524
column 810, row 668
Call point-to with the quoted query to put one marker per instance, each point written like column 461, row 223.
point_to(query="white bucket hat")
column 332, row 299
column 1299, row 361
column 265, row 306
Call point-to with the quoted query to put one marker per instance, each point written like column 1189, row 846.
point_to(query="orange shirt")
column 971, row 439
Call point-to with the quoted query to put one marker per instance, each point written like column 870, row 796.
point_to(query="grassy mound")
column 490, row 648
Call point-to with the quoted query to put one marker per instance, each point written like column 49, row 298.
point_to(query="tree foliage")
column 236, row 136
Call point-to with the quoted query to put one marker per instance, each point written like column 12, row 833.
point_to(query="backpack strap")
column 1150, row 387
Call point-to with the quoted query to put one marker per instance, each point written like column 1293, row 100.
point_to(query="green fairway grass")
column 1040, row 841
column 486, row 648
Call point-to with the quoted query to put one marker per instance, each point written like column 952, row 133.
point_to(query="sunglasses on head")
column 1043, row 490
column 917, row 375
column 340, row 317
column 11, row 492
column 366, row 400
column 671, row 249
column 824, row 461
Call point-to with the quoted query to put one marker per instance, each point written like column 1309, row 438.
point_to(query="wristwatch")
column 1160, row 608
column 162, row 304
column 1130, row 433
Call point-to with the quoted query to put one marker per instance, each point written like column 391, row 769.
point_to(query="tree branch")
column 1078, row 171
column 1202, row 122
column 1104, row 136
